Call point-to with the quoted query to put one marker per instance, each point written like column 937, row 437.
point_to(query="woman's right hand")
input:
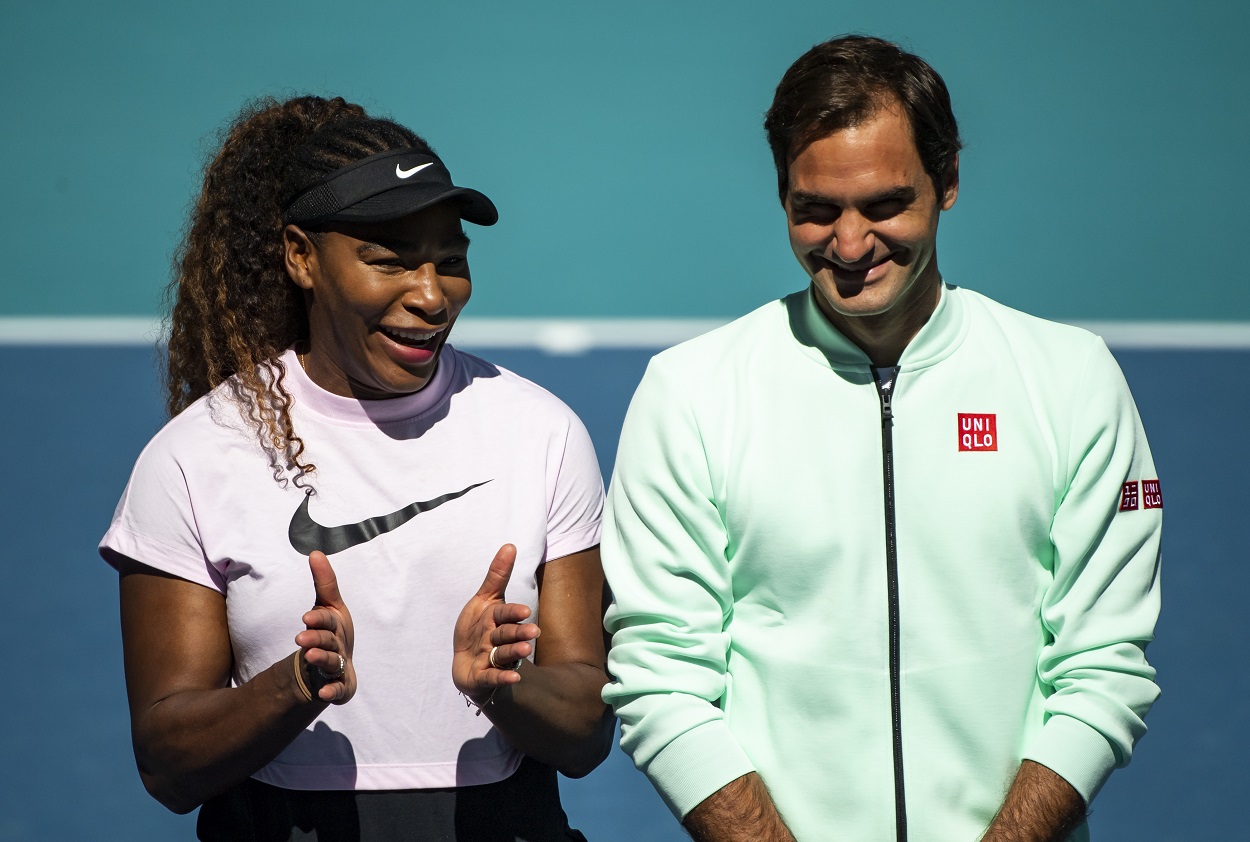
column 327, row 642
column 196, row 733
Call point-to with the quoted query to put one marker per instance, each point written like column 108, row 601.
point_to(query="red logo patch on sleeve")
column 978, row 431
column 1128, row 496
column 1151, row 496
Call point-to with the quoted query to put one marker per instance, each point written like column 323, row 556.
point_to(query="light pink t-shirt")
column 203, row 504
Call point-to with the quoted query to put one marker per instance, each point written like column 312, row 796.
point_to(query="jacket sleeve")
column 1100, row 610
column 664, row 556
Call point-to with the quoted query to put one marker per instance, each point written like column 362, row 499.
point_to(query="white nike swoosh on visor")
column 410, row 173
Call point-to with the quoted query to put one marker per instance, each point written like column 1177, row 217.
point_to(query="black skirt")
column 522, row 808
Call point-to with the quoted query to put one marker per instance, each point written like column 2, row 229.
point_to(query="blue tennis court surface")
column 75, row 419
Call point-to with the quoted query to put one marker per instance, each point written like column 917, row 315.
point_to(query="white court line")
column 1197, row 336
column 79, row 330
column 577, row 336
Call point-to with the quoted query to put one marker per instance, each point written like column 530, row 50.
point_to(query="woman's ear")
column 300, row 256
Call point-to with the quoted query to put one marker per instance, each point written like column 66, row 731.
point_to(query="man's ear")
column 950, row 180
column 300, row 256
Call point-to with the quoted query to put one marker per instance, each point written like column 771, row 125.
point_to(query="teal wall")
column 1105, row 175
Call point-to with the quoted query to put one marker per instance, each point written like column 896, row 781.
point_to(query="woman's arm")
column 194, row 735
column 549, row 709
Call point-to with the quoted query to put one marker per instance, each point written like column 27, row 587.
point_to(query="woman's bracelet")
column 299, row 676
column 490, row 700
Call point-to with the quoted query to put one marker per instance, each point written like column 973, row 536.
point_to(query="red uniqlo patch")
column 1128, row 496
column 1151, row 496
column 978, row 431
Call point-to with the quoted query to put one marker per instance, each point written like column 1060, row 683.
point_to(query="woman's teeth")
column 410, row 337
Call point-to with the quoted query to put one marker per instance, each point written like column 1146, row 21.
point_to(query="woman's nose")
column 425, row 290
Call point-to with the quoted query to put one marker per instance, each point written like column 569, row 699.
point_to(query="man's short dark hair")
column 845, row 81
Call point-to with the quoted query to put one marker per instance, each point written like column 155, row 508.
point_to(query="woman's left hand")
column 490, row 626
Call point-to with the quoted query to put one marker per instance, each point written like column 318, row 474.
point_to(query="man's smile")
column 860, row 273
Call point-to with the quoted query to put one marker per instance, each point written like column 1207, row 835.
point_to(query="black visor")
column 386, row 186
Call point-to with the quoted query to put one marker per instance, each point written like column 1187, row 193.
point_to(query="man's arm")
column 1039, row 807
column 740, row 811
column 1100, row 608
column 664, row 544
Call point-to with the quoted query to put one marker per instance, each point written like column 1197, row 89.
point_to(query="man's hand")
column 740, row 811
column 1039, row 807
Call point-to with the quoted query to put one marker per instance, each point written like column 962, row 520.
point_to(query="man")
column 884, row 553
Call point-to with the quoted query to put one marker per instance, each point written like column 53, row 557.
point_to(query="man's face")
column 863, row 219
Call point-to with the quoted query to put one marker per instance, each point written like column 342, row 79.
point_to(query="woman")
column 319, row 414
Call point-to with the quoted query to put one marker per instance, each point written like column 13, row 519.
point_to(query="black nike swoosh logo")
column 307, row 535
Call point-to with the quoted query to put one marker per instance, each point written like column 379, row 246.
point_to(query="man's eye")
column 815, row 213
column 885, row 210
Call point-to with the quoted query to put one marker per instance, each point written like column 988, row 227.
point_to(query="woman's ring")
column 515, row 665
column 334, row 676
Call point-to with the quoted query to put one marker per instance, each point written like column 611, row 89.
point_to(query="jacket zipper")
column 886, row 380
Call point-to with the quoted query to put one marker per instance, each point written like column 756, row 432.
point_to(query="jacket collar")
column 821, row 341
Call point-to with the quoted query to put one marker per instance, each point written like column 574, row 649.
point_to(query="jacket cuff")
column 697, row 764
column 1075, row 752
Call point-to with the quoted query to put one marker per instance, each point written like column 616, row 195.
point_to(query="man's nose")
column 852, row 241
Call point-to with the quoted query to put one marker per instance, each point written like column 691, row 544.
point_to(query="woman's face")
column 382, row 298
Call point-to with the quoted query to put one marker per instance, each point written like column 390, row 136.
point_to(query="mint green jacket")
column 745, row 546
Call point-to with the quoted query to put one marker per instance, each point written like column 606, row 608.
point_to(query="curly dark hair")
column 846, row 80
column 233, row 310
